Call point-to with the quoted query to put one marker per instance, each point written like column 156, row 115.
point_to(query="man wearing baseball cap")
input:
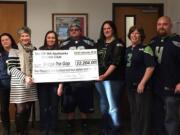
column 77, row 94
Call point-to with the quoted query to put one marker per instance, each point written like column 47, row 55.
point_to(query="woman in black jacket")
column 6, row 43
column 47, row 93
column 111, row 76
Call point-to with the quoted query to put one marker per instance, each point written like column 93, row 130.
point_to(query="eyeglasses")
column 74, row 30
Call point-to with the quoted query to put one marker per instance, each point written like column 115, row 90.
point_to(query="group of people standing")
column 153, row 80
column 149, row 72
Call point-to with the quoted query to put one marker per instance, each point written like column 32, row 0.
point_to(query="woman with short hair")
column 139, row 68
column 23, row 90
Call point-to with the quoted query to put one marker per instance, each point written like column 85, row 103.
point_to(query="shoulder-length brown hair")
column 13, row 43
column 140, row 30
column 56, row 37
column 112, row 25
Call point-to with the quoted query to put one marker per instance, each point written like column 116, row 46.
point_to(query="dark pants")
column 172, row 119
column 48, row 102
column 140, row 109
column 166, row 115
column 80, row 96
column 23, row 111
column 158, row 115
column 4, row 100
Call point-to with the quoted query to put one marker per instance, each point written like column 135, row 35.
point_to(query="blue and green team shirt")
column 137, row 59
column 77, row 44
column 167, row 56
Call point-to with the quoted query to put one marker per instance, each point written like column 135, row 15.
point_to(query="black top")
column 137, row 59
column 3, row 65
column 44, row 47
column 167, row 72
column 77, row 44
column 4, row 77
column 111, row 54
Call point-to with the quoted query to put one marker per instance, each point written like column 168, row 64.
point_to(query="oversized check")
column 65, row 65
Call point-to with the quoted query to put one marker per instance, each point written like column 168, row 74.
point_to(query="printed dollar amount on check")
column 65, row 65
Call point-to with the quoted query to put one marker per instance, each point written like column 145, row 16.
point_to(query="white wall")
column 40, row 20
column 173, row 10
column 39, row 12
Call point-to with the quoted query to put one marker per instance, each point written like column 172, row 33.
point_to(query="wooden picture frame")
column 62, row 21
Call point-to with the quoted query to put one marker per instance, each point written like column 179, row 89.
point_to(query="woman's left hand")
column 101, row 77
column 140, row 88
column 177, row 89
column 60, row 89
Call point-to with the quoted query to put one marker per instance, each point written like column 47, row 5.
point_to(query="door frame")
column 159, row 5
column 24, row 3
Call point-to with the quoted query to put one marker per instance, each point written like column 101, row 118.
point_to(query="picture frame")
column 62, row 21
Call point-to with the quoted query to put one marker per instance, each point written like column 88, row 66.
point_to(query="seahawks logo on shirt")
column 118, row 44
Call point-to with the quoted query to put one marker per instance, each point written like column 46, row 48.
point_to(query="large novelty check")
column 65, row 65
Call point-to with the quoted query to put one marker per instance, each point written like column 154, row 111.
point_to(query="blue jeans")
column 109, row 92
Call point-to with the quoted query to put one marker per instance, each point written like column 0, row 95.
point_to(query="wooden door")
column 12, row 17
column 145, row 15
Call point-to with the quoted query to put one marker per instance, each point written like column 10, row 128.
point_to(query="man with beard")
column 166, row 79
column 80, row 93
